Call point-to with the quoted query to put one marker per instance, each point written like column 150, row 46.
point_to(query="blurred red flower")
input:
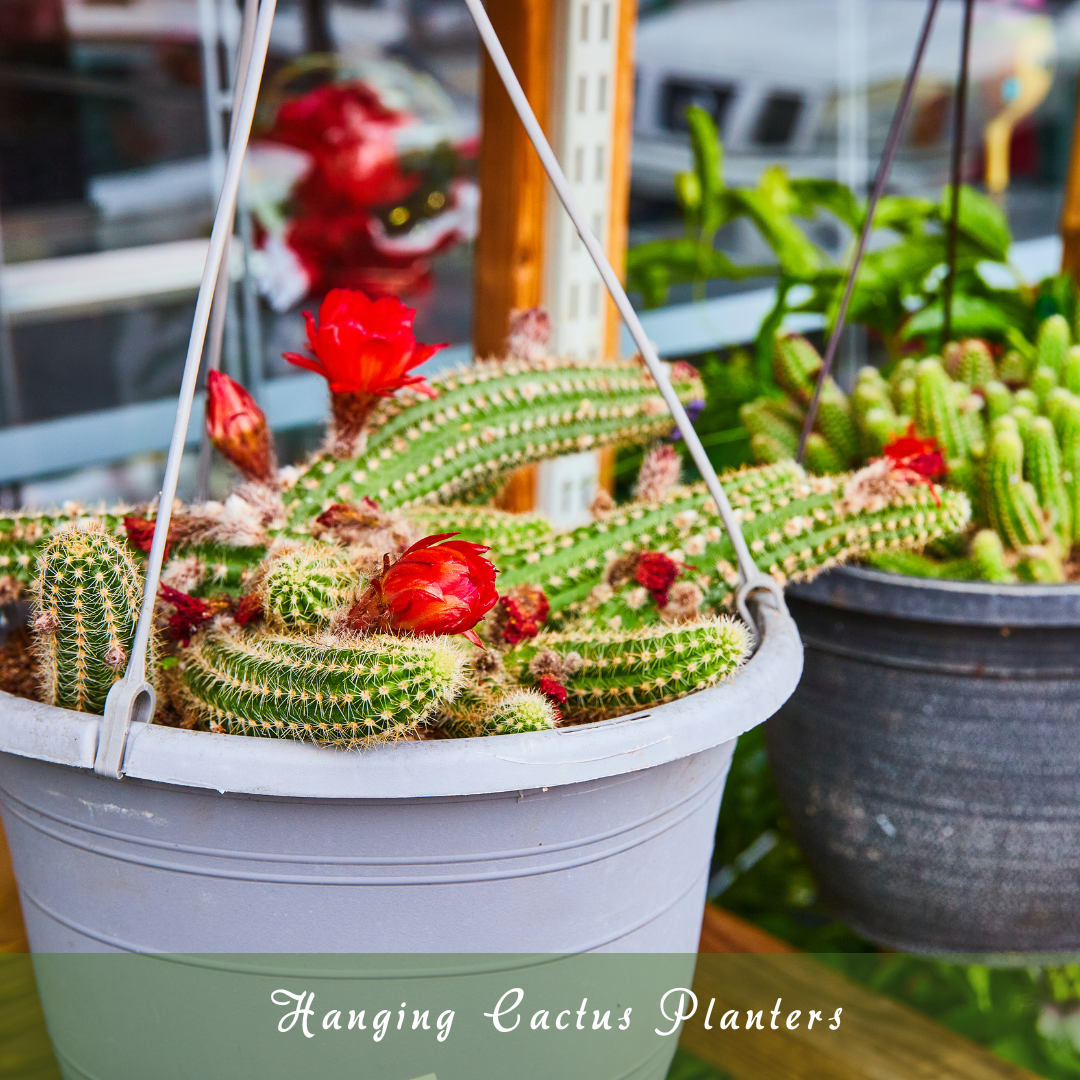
column 921, row 456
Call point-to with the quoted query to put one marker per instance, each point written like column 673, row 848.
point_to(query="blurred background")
column 363, row 172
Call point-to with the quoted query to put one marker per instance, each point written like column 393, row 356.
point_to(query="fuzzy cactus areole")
column 86, row 604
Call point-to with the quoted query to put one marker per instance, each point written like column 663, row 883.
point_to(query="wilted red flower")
column 191, row 613
column 237, row 427
column 552, row 689
column 437, row 586
column 364, row 346
column 248, row 610
column 657, row 572
column 520, row 615
column 140, row 533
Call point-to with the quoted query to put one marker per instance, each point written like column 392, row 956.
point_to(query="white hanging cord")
column 752, row 577
column 132, row 698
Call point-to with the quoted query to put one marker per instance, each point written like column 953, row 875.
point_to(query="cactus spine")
column 87, row 596
column 622, row 670
column 344, row 691
column 302, row 586
column 485, row 422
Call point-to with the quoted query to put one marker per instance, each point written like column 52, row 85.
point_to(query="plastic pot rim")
column 440, row 768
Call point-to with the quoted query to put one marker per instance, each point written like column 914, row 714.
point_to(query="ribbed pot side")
column 929, row 760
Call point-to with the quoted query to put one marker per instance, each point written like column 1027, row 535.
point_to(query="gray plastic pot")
column 930, row 759
column 586, row 838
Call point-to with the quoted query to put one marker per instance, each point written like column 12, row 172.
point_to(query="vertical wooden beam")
column 1070, row 211
column 621, row 142
column 508, row 266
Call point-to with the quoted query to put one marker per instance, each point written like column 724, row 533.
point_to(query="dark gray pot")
column 930, row 760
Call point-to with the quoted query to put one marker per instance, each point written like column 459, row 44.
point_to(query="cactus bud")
column 238, row 429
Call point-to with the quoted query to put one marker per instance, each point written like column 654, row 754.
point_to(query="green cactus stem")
column 1070, row 375
column 518, row 712
column 792, row 524
column 836, row 422
column 976, row 364
column 1026, row 398
column 821, row 458
column 879, row 427
column 1052, row 344
column 1013, row 368
column 759, row 419
column 937, row 412
column 903, row 371
column 1070, row 475
column 484, row 422
column 999, row 400
column 619, row 671
column 769, row 451
column 341, row 691
column 480, row 524
column 796, row 364
column 988, row 558
column 87, row 596
column 1043, row 381
column 1042, row 467
column 1012, row 505
column 302, row 586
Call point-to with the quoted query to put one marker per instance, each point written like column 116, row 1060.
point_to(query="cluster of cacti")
column 87, row 596
column 292, row 605
column 1007, row 428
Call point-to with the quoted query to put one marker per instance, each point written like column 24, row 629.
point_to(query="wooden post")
column 509, row 259
column 1070, row 211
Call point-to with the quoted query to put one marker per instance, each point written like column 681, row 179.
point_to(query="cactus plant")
column 342, row 691
column 1042, row 467
column 988, row 555
column 936, row 409
column 484, row 422
column 1011, row 501
column 303, row 585
column 621, row 670
column 518, row 712
column 796, row 363
column 87, row 595
column 836, row 423
column 1052, row 344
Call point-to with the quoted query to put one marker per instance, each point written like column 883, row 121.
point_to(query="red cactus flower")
column 237, row 427
column 364, row 346
column 552, row 689
column 921, row 456
column 191, row 613
column 437, row 586
column 657, row 572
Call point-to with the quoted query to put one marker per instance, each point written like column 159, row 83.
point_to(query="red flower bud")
column 437, row 586
column 140, row 534
column 237, row 427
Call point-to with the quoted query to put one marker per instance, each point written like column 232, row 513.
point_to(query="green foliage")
column 87, row 596
column 341, row 691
